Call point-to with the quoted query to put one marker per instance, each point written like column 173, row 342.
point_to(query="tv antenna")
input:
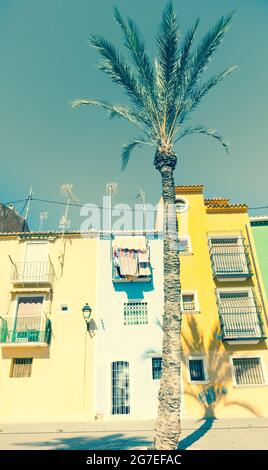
column 42, row 218
column 142, row 196
column 111, row 189
column 67, row 191
column 27, row 204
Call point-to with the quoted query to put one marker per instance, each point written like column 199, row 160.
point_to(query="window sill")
column 198, row 382
column 185, row 254
column 189, row 312
column 250, row 385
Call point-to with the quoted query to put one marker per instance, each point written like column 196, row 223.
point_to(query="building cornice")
column 227, row 209
column 189, row 189
column 217, row 201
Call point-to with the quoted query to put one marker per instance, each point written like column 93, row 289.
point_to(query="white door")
column 35, row 265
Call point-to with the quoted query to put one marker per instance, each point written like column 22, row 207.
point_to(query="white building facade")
column 129, row 335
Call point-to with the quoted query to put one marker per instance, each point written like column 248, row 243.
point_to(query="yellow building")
column 47, row 354
column 225, row 311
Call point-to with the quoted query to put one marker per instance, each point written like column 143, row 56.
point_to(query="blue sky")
column 46, row 62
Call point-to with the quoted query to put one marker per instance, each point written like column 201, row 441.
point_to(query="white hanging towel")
column 144, row 263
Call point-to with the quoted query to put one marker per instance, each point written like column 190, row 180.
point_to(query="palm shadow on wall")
column 213, row 396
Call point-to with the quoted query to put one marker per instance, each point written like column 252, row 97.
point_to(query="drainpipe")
column 257, row 275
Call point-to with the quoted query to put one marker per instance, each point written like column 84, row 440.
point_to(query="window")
column 197, row 370
column 135, row 313
column 28, row 320
column 189, row 302
column 21, row 367
column 157, row 368
column 120, row 388
column 181, row 204
column 248, row 371
column 239, row 314
column 64, row 308
column 229, row 256
column 131, row 259
column 184, row 245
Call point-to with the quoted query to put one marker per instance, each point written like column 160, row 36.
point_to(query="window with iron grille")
column 188, row 302
column 239, row 314
column 21, row 367
column 229, row 255
column 120, row 388
column 135, row 313
column 157, row 368
column 197, row 370
column 248, row 371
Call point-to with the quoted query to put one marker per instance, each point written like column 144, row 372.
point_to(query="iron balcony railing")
column 241, row 323
column 230, row 261
column 117, row 277
column 22, row 330
column 33, row 272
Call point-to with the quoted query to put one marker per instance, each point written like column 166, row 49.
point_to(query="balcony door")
column 120, row 388
column 239, row 314
column 28, row 320
column 35, row 261
column 229, row 255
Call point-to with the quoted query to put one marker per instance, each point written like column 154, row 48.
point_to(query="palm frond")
column 203, row 130
column 168, row 55
column 205, row 51
column 127, row 149
column 198, row 94
column 136, row 46
column 181, row 75
column 117, row 69
column 185, row 56
column 112, row 109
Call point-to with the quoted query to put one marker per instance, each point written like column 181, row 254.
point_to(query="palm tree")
column 162, row 95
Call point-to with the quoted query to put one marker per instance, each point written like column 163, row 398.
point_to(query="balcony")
column 241, row 324
column 25, row 331
column 230, row 261
column 32, row 272
column 131, row 260
column 117, row 277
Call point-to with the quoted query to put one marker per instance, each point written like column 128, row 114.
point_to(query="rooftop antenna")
column 67, row 190
column 43, row 217
column 142, row 196
column 28, row 202
column 111, row 189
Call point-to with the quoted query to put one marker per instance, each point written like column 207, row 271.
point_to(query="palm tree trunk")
column 167, row 430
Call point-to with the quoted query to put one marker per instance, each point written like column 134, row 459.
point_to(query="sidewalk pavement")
column 251, row 433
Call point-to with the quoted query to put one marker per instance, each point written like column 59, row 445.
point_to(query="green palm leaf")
column 168, row 55
column 198, row 94
column 203, row 130
column 136, row 46
column 127, row 149
column 117, row 69
column 206, row 50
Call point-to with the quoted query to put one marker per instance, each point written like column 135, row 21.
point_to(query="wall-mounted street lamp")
column 87, row 310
